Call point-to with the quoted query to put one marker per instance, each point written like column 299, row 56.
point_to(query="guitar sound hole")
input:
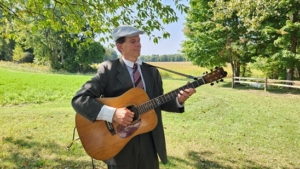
column 136, row 116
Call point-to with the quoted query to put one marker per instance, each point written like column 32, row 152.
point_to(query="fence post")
column 266, row 84
column 232, row 81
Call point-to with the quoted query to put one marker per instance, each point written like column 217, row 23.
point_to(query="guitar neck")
column 153, row 103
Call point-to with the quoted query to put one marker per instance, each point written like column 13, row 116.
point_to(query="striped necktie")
column 137, row 77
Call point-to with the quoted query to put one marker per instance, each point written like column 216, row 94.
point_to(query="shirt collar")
column 130, row 64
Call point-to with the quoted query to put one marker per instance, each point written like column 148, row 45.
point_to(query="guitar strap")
column 181, row 74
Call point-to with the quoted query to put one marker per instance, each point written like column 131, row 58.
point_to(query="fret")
column 168, row 95
column 174, row 94
column 202, row 81
column 152, row 104
column 157, row 101
column 164, row 99
column 182, row 88
column 192, row 85
column 144, row 108
column 138, row 109
column 196, row 83
column 161, row 99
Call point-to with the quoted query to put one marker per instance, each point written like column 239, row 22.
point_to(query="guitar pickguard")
column 127, row 131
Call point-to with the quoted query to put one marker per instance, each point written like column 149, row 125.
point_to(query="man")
column 114, row 78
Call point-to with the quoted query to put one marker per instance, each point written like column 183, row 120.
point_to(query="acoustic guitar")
column 103, row 140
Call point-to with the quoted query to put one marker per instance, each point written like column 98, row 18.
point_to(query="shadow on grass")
column 274, row 90
column 25, row 153
column 200, row 160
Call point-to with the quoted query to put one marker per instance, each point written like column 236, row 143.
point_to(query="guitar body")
column 99, row 142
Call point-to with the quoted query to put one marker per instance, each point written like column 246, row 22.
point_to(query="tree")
column 278, row 24
column 215, row 36
column 18, row 53
column 110, row 54
column 247, row 30
column 83, row 57
column 6, row 48
column 90, row 17
column 54, row 48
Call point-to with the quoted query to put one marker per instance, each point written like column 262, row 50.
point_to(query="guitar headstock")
column 215, row 75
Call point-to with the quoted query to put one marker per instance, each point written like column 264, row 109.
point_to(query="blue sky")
column 172, row 45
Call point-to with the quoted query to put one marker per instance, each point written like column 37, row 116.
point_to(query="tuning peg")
column 217, row 81
column 216, row 67
column 221, row 80
column 211, row 70
column 211, row 84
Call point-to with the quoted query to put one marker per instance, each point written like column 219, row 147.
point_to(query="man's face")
column 131, row 48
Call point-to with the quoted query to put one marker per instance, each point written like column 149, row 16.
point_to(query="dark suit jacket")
column 113, row 79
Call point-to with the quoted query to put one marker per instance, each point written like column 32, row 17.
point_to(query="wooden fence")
column 265, row 82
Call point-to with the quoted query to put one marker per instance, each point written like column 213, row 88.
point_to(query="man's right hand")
column 123, row 116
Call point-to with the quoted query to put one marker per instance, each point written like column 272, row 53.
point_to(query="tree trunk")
column 297, row 74
column 294, row 39
column 235, row 67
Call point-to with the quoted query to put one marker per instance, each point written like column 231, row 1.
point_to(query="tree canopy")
column 62, row 33
column 242, row 32
column 87, row 18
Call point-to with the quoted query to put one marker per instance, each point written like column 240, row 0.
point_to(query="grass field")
column 221, row 128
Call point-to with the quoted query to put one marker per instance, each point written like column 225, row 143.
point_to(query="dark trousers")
column 140, row 153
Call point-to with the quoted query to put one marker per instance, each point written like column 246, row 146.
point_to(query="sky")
column 171, row 45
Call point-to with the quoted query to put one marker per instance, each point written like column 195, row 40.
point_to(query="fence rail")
column 265, row 82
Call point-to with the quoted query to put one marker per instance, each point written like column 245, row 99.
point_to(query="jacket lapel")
column 124, row 76
column 148, row 78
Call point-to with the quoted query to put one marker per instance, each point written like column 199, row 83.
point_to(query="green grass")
column 221, row 128
column 30, row 87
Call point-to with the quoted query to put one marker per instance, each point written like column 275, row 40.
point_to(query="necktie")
column 137, row 77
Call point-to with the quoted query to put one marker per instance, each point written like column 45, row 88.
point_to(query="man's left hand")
column 185, row 94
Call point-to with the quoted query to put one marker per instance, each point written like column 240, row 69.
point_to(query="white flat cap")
column 125, row 31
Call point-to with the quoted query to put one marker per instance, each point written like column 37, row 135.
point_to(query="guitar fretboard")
column 167, row 97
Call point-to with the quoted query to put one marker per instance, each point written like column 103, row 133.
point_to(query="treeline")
column 111, row 54
column 164, row 58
